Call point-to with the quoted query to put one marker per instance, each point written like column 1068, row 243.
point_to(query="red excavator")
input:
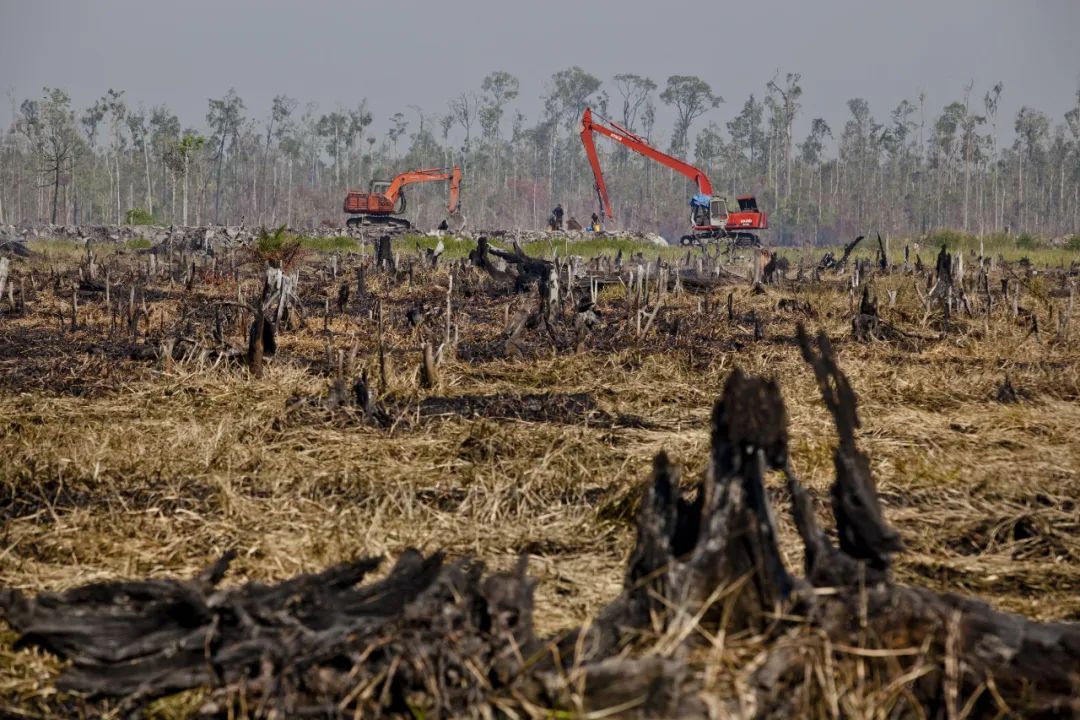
column 709, row 216
column 386, row 200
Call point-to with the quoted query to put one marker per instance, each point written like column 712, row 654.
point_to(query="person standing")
column 557, row 214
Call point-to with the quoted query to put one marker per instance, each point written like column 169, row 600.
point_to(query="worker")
column 595, row 222
column 557, row 214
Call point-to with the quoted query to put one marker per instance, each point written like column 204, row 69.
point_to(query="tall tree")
column 398, row 125
column 113, row 106
column 164, row 133
column 136, row 123
column 1031, row 128
column 691, row 97
column 335, row 131
column 789, row 93
column 359, row 120
column 281, row 108
column 747, row 141
column 223, row 117
column 969, row 143
column 49, row 126
column 812, row 157
column 464, row 109
column 570, row 90
column 180, row 157
column 634, row 91
column 990, row 104
column 1072, row 120
column 859, row 146
column 500, row 88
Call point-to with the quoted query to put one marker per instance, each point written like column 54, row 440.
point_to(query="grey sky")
column 400, row 52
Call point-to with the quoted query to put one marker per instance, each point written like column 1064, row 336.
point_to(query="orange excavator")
column 385, row 201
column 709, row 216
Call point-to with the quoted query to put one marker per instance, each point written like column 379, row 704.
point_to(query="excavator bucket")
column 455, row 221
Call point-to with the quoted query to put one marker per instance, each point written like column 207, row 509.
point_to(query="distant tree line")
column 906, row 174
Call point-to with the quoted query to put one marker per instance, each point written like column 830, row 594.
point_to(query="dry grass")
column 111, row 467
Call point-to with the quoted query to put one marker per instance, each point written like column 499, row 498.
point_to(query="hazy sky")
column 398, row 53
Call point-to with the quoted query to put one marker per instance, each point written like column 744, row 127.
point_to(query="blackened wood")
column 864, row 534
column 384, row 254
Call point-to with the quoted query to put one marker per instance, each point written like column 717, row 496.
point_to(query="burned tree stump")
column 1007, row 393
column 866, row 325
column 829, row 261
column 429, row 374
column 361, row 282
column 384, row 254
column 343, row 298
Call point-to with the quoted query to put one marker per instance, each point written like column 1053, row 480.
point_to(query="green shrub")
column 1073, row 243
column 277, row 248
column 138, row 216
column 1024, row 241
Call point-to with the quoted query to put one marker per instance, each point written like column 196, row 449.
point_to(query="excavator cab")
column 718, row 212
column 380, row 188
column 708, row 212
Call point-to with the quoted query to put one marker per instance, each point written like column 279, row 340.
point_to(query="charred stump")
column 866, row 325
column 829, row 261
column 384, row 254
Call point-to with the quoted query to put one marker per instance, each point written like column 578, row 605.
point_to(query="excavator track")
column 361, row 220
column 733, row 239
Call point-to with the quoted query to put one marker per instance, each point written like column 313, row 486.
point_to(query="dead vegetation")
column 510, row 404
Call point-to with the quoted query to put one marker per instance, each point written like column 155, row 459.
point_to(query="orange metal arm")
column 590, row 150
column 428, row 175
column 455, row 188
column 627, row 138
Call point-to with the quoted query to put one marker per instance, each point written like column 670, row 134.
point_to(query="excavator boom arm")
column 427, row 175
column 455, row 189
column 594, row 161
column 619, row 135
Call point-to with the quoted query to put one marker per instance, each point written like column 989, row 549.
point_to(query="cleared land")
column 119, row 467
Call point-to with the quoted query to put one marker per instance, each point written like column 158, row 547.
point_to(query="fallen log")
column 530, row 270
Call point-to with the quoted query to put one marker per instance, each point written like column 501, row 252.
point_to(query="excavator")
column 709, row 216
column 385, row 201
